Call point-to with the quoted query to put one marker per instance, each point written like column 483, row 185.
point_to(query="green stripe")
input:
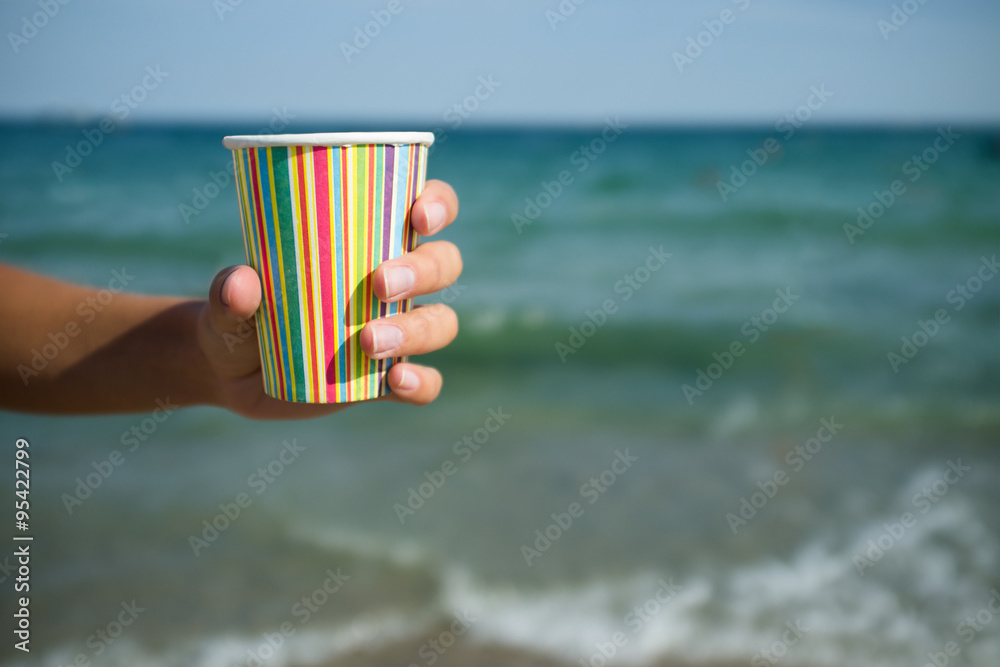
column 286, row 239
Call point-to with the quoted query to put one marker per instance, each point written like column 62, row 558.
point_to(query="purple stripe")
column 388, row 179
column 387, row 182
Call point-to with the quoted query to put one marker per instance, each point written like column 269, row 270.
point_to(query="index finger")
column 435, row 208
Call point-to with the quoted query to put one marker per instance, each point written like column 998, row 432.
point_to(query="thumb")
column 233, row 298
column 228, row 332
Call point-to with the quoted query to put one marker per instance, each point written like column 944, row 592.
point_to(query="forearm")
column 72, row 349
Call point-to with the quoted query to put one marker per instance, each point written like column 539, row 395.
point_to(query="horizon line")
column 296, row 126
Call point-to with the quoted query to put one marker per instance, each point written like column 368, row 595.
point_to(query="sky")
column 758, row 60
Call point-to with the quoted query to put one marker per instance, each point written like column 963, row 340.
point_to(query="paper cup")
column 320, row 212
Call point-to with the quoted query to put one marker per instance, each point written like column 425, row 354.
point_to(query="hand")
column 227, row 332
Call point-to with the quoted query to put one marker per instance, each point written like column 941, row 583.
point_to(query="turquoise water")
column 693, row 371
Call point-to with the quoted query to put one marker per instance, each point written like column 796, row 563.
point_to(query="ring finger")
column 423, row 329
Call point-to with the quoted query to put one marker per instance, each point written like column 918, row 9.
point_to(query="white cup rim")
column 327, row 139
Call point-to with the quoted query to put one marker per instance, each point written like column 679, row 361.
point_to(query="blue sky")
column 606, row 58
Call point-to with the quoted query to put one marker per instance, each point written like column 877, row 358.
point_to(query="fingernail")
column 436, row 214
column 224, row 295
column 386, row 338
column 408, row 381
column 398, row 279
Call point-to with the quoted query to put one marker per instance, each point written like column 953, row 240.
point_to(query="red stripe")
column 370, row 241
column 411, row 188
column 324, row 235
column 370, row 245
column 266, row 267
column 346, row 254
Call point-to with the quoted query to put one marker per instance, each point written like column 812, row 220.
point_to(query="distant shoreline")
column 641, row 126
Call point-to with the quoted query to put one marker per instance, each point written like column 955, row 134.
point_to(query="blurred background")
column 727, row 385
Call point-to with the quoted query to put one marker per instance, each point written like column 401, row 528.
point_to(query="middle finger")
column 430, row 267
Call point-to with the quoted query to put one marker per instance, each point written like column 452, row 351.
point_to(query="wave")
column 908, row 601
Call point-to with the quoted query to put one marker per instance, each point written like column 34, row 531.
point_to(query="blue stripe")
column 400, row 195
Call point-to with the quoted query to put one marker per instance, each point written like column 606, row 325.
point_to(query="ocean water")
column 785, row 423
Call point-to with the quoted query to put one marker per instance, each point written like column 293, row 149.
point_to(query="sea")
column 720, row 396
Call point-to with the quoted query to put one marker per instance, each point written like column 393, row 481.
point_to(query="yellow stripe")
column 359, row 276
column 317, row 312
column 349, row 242
column 256, row 260
column 334, row 163
column 300, row 226
column 274, row 361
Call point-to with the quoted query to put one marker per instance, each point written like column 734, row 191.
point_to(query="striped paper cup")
column 320, row 212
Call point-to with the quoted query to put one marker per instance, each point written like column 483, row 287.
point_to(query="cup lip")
column 236, row 142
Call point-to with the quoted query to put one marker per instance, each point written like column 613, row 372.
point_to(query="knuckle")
column 423, row 322
column 440, row 312
column 445, row 320
column 435, row 270
column 443, row 265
